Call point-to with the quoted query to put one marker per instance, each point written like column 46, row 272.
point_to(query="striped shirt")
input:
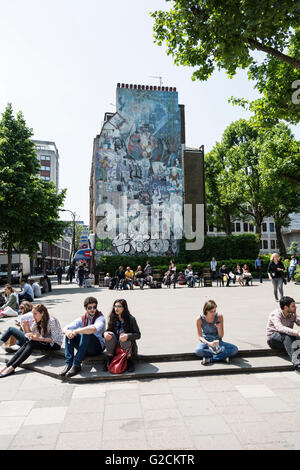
column 278, row 322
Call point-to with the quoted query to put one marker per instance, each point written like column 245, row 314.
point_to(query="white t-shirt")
column 36, row 290
column 27, row 317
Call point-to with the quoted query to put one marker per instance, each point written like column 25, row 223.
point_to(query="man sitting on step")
column 84, row 334
column 280, row 330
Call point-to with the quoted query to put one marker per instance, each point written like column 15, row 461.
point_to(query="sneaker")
column 205, row 361
column 12, row 349
column 130, row 365
column 227, row 360
column 65, row 370
column 73, row 371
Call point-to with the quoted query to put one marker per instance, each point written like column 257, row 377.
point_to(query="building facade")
column 48, row 157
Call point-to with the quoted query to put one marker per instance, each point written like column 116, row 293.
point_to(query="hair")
column 27, row 306
column 23, row 279
column 275, row 255
column 42, row 326
column 285, row 302
column 8, row 286
column 90, row 300
column 113, row 317
column 209, row 305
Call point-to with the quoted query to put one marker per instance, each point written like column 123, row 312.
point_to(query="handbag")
column 119, row 363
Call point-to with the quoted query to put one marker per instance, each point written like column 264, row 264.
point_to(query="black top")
column 133, row 333
column 272, row 269
column 120, row 274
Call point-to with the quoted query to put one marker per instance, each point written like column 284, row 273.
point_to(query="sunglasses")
column 92, row 307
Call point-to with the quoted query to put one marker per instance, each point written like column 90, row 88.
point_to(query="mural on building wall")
column 140, row 157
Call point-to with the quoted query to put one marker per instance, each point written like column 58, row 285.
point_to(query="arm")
column 220, row 326
column 136, row 331
column 282, row 328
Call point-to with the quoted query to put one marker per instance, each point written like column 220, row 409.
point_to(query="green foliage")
column 243, row 246
column 29, row 206
column 213, row 34
column 293, row 248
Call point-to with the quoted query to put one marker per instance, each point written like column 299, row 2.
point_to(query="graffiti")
column 139, row 156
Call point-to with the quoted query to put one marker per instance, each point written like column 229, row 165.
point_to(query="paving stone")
column 15, row 408
column 154, row 387
column 89, row 422
column 270, row 405
column 42, row 416
column 189, row 393
column 283, row 422
column 228, row 398
column 169, row 438
column 95, row 405
column 89, row 391
column 218, row 442
column 118, row 396
column 212, row 385
column 10, row 425
column 197, row 408
column 124, row 429
column 79, row 440
column 255, row 391
column 292, row 439
column 37, row 435
column 125, row 444
column 205, row 425
column 272, row 446
column 157, row 402
column 163, row 416
column 130, row 411
column 5, row 441
column 255, row 433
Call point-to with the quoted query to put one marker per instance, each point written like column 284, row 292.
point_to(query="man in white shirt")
column 36, row 289
column 84, row 334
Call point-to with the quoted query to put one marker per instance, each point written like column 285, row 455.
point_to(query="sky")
column 61, row 61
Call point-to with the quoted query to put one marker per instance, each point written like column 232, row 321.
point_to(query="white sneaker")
column 227, row 360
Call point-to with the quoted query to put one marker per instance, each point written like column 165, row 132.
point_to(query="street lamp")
column 72, row 253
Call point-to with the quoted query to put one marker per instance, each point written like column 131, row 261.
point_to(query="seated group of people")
column 127, row 279
column 29, row 291
column 88, row 335
column 240, row 274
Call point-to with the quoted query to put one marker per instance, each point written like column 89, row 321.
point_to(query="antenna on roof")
column 160, row 79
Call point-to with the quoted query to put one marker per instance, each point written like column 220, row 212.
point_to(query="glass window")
column 273, row 244
column 264, row 227
column 210, row 228
column 272, row 227
column 46, row 158
column 265, row 244
column 260, row 244
column 238, row 227
column 251, row 228
column 246, row 227
column 232, row 227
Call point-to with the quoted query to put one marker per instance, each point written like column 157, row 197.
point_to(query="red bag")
column 119, row 363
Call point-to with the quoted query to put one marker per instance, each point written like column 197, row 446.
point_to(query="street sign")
column 84, row 246
column 87, row 254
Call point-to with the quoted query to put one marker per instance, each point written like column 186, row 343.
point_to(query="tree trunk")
column 228, row 221
column 9, row 257
column 280, row 242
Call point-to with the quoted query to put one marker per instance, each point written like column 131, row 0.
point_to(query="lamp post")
column 73, row 232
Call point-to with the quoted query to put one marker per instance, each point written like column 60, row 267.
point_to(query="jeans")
column 278, row 285
column 140, row 281
column 25, row 297
column 112, row 344
column 291, row 272
column 286, row 343
column 191, row 280
column 85, row 345
column 228, row 351
column 26, row 350
column 18, row 334
column 130, row 283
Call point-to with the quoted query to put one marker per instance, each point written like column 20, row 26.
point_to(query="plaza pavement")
column 244, row 411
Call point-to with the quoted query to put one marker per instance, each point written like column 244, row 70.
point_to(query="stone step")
column 92, row 372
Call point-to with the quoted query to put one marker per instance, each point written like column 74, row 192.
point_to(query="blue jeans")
column 18, row 334
column 291, row 272
column 229, row 351
column 191, row 280
column 86, row 345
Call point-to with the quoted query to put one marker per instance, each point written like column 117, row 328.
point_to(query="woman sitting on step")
column 210, row 328
column 46, row 334
column 122, row 330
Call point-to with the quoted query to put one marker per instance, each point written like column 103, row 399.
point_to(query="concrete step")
column 92, row 371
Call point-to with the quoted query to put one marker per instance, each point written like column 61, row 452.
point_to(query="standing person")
column 80, row 274
column 275, row 273
column 173, row 275
column 11, row 306
column 189, row 276
column 129, row 275
column 37, row 291
column 213, row 268
column 84, row 334
column 210, row 329
column 122, row 329
column 280, row 330
column 26, row 292
column 71, row 272
column 292, row 267
column 59, row 273
column 139, row 277
column 258, row 267
column 46, row 335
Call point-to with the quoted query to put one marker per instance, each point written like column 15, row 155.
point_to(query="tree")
column 213, row 34
column 220, row 213
column 29, row 206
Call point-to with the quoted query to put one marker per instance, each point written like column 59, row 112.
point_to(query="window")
column 45, row 168
column 260, row 244
column 46, row 158
column 210, row 228
column 246, row 227
column 273, row 244
column 272, row 227
column 264, row 227
column 45, row 178
column 232, row 227
column 238, row 227
column 251, row 228
column 265, row 244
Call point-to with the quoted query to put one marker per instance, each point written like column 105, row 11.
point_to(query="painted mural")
column 139, row 160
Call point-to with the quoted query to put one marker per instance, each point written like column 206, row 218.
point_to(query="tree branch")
column 270, row 50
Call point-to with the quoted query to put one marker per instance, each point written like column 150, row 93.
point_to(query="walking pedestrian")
column 275, row 273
